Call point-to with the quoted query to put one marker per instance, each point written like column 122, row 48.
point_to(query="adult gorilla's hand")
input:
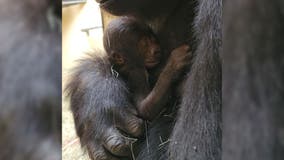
column 107, row 138
column 102, row 112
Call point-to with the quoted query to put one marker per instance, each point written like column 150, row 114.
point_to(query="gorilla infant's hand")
column 179, row 59
column 112, row 125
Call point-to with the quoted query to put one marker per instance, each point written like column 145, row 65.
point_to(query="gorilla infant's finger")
column 99, row 153
column 116, row 143
column 186, row 48
column 183, row 49
column 131, row 124
column 133, row 111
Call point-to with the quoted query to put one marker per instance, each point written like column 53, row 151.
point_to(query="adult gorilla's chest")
column 176, row 29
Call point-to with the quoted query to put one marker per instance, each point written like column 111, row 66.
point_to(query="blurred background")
column 30, row 80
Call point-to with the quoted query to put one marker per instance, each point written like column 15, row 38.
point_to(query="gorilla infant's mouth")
column 150, row 64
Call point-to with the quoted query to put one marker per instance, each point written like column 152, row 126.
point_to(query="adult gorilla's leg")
column 253, row 77
column 197, row 133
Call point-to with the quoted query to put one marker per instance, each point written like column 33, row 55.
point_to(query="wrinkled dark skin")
column 151, row 104
column 100, row 101
column 30, row 80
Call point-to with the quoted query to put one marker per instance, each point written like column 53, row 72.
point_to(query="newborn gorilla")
column 133, row 51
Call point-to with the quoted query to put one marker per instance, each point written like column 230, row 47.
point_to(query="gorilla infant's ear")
column 117, row 58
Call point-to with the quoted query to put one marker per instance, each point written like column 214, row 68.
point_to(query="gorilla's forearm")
column 100, row 106
column 93, row 87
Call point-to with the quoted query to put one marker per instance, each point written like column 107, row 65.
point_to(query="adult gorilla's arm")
column 200, row 112
column 100, row 106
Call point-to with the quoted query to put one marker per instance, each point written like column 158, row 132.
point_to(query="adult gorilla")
column 99, row 100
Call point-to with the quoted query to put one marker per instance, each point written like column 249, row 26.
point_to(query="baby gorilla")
column 133, row 51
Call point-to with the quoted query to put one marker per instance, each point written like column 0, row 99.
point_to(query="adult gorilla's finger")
column 131, row 124
column 117, row 144
column 97, row 152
